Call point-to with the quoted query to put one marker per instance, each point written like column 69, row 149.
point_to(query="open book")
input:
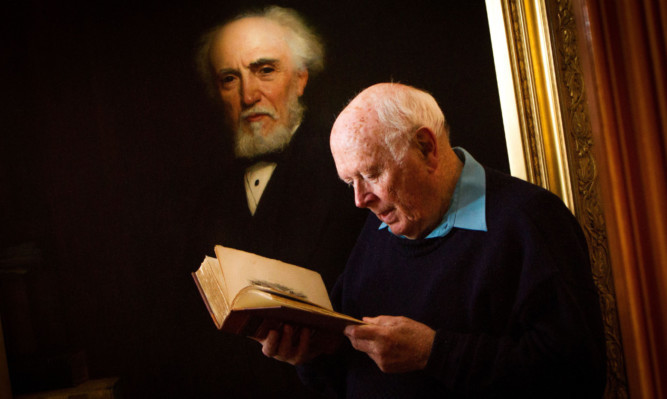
column 247, row 294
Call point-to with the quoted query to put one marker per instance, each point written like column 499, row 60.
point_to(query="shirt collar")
column 468, row 207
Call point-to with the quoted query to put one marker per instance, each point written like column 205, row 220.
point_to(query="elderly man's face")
column 393, row 191
column 258, row 82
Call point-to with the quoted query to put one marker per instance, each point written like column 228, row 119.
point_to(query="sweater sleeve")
column 553, row 345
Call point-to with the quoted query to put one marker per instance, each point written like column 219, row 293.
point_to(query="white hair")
column 306, row 46
column 402, row 113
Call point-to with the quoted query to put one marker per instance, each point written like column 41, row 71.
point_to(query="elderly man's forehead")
column 352, row 127
column 252, row 34
column 359, row 116
column 247, row 24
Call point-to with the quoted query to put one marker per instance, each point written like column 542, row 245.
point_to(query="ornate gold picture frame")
column 549, row 136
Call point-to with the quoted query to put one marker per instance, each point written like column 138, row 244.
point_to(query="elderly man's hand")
column 298, row 345
column 396, row 344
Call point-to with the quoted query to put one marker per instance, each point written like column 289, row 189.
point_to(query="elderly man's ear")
column 427, row 144
column 301, row 81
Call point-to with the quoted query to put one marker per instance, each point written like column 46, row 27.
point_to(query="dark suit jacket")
column 306, row 217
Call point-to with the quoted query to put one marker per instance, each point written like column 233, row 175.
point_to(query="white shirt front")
column 256, row 178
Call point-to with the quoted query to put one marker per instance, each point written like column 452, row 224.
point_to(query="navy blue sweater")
column 515, row 309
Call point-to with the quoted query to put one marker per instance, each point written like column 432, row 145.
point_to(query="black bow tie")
column 275, row 157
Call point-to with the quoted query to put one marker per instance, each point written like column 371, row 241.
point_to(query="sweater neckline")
column 416, row 247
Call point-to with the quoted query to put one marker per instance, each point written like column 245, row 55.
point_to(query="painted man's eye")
column 227, row 81
column 267, row 70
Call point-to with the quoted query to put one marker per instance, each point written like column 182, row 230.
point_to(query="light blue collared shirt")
column 467, row 209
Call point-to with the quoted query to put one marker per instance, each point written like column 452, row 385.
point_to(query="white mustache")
column 260, row 110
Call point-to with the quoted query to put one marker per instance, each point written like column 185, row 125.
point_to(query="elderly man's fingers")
column 270, row 344
column 302, row 349
column 286, row 348
column 396, row 344
column 364, row 338
column 363, row 332
column 294, row 345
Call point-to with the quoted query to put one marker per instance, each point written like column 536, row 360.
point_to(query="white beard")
column 255, row 144
column 252, row 144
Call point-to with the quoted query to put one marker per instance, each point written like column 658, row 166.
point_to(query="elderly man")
column 281, row 198
column 472, row 283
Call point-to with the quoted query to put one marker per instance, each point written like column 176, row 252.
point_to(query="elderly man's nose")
column 362, row 196
column 250, row 92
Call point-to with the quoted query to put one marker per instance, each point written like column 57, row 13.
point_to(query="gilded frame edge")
column 549, row 134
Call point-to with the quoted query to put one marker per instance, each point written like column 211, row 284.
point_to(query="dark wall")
column 106, row 133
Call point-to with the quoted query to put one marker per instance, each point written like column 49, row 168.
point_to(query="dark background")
column 107, row 134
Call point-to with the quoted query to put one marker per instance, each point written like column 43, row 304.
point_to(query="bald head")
column 390, row 143
column 393, row 112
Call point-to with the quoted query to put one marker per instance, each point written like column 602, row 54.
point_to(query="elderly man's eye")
column 266, row 70
column 349, row 183
column 227, row 80
column 370, row 177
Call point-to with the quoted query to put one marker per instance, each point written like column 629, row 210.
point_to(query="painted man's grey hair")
column 305, row 44
column 403, row 112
